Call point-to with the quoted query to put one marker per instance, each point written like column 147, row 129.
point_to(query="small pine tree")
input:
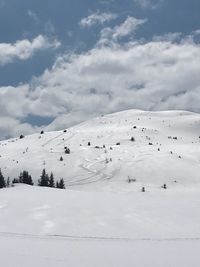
column 21, row 177
column 60, row 184
column 143, row 189
column 25, row 178
column 44, row 179
column 2, row 180
column 8, row 182
column 132, row 139
column 61, row 158
column 29, row 180
column 51, row 180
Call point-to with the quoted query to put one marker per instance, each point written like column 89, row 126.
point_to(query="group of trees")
column 25, row 178
column 48, row 181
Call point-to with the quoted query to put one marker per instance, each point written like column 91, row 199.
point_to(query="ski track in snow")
column 94, row 238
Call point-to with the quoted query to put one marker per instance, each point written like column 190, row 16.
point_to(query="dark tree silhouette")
column 44, row 179
column 60, row 184
column 51, row 180
column 2, row 180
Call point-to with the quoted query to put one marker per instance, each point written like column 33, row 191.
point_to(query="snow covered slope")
column 166, row 150
column 101, row 219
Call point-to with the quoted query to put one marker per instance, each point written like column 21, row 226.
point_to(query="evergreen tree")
column 8, row 182
column 2, row 180
column 44, row 179
column 21, row 177
column 51, row 180
column 29, row 180
column 60, row 184
column 25, row 178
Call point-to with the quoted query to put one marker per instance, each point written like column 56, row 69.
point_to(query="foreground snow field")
column 101, row 219
column 49, row 227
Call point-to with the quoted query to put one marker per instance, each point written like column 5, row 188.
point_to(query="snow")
column 101, row 219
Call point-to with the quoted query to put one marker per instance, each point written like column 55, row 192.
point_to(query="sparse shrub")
column 143, row 189
column 21, row 136
column 89, row 144
column 42, row 132
column 132, row 139
column 61, row 158
column 118, row 144
column 131, row 180
column 67, row 150
column 15, row 181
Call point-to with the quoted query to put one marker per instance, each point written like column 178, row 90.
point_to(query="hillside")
column 165, row 150
column 101, row 219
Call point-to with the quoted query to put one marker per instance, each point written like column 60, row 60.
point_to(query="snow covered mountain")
column 103, row 218
column 164, row 149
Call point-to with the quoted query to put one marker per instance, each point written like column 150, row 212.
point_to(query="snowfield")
column 101, row 219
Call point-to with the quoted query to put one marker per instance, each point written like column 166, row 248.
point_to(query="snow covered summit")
column 122, row 151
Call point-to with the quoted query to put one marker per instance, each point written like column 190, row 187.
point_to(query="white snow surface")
column 101, row 219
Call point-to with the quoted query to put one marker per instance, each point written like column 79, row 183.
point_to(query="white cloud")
column 97, row 18
column 33, row 16
column 149, row 3
column 24, row 49
column 128, row 27
column 156, row 75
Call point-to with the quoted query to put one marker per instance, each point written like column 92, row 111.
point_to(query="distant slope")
column 166, row 150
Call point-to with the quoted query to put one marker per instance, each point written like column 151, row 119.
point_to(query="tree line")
column 45, row 180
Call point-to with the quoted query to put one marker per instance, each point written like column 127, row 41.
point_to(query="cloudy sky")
column 62, row 62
